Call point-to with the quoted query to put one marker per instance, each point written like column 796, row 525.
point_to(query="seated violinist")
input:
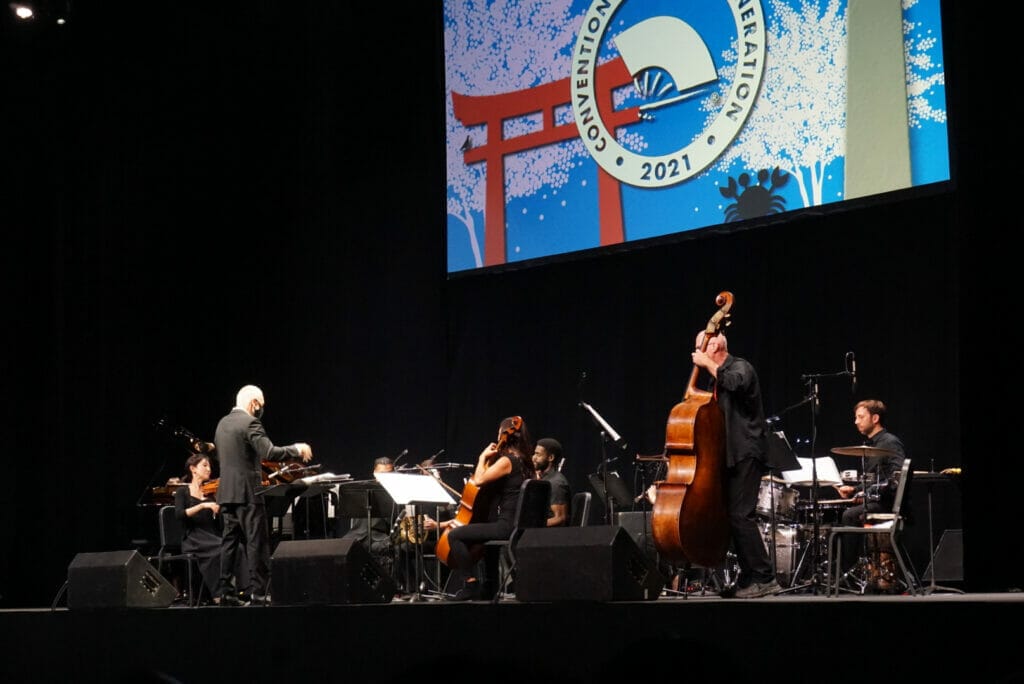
column 200, row 523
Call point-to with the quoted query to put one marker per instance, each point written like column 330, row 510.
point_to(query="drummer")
column 882, row 467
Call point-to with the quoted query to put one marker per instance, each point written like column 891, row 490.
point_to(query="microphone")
column 400, row 457
column 429, row 463
column 853, row 372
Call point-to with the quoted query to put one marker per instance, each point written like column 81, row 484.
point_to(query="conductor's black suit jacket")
column 242, row 446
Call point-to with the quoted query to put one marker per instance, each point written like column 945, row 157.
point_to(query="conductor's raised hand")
column 305, row 451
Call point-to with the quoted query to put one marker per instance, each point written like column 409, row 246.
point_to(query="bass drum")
column 787, row 549
column 783, row 498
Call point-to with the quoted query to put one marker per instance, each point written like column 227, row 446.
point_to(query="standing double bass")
column 690, row 523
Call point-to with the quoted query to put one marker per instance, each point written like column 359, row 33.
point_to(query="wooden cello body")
column 467, row 513
column 690, row 522
column 472, row 506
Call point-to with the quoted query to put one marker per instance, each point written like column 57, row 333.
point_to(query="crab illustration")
column 755, row 200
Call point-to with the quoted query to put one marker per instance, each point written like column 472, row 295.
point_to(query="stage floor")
column 792, row 637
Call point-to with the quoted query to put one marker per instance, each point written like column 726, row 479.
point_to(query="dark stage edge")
column 790, row 638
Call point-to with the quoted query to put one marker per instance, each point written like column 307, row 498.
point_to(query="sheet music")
column 326, row 477
column 406, row 488
column 828, row 473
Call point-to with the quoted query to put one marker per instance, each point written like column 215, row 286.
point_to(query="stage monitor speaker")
column 329, row 572
column 595, row 563
column 117, row 579
column 949, row 558
column 638, row 525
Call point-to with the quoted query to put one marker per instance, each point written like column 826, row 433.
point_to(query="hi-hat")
column 865, row 451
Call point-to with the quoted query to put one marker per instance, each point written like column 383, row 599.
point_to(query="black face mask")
column 258, row 413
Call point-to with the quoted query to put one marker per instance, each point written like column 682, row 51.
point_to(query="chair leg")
column 193, row 595
column 908, row 577
column 833, row 565
column 506, row 576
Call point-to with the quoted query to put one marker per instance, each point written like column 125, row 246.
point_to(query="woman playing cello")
column 488, row 506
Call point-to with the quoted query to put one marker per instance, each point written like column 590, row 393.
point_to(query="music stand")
column 611, row 489
column 365, row 498
column 279, row 498
column 827, row 472
column 608, row 436
column 415, row 490
column 929, row 479
column 305, row 490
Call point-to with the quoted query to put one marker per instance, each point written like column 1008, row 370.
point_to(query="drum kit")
column 790, row 520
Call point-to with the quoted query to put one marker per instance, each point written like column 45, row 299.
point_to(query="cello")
column 470, row 510
column 690, row 523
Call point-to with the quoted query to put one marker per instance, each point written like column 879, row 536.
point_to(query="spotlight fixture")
column 23, row 12
column 41, row 11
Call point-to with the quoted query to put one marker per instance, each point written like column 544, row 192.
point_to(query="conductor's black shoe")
column 232, row 600
column 260, row 600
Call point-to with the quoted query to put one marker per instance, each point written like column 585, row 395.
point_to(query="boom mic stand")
column 813, row 399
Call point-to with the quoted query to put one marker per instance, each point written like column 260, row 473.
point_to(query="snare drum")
column 785, row 499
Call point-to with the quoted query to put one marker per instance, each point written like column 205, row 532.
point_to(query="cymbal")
column 773, row 478
column 865, row 451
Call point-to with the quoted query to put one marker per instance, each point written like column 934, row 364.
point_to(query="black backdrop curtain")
column 195, row 203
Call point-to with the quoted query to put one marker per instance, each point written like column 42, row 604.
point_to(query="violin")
column 274, row 472
column 467, row 513
column 282, row 472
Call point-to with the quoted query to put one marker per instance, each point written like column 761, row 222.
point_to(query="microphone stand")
column 813, row 399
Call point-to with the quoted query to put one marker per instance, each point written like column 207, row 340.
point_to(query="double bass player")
column 738, row 392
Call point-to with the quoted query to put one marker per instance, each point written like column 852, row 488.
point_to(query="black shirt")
column 739, row 396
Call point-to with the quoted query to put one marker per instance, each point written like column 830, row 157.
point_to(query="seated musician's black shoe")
column 471, row 591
